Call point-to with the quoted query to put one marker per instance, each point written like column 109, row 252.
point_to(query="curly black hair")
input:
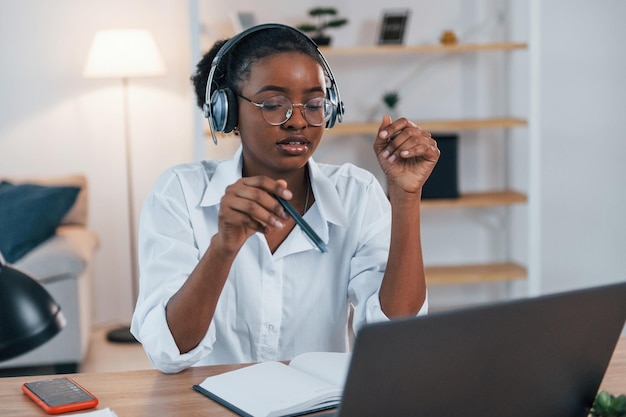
column 234, row 67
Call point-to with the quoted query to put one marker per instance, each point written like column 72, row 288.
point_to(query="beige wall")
column 54, row 122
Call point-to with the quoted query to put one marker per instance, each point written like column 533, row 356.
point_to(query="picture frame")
column 393, row 26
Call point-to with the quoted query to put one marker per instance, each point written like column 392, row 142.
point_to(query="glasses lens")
column 317, row 111
column 276, row 110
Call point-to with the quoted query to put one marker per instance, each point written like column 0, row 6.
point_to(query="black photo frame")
column 393, row 27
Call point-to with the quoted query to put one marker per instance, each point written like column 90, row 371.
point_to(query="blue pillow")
column 30, row 214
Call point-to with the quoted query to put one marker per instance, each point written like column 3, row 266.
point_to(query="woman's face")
column 273, row 150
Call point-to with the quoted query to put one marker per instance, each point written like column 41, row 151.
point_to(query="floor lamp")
column 125, row 53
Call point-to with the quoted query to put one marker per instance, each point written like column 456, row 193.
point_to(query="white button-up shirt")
column 274, row 305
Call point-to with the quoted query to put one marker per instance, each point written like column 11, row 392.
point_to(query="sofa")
column 63, row 263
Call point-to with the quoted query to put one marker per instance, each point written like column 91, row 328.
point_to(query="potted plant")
column 608, row 405
column 391, row 99
column 325, row 17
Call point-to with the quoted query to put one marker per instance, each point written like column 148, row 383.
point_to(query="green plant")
column 391, row 98
column 325, row 19
column 608, row 405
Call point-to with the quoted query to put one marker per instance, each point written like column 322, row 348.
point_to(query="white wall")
column 56, row 122
column 584, row 132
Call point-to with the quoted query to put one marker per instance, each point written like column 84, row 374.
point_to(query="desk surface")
column 151, row 393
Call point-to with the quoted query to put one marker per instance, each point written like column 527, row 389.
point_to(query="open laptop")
column 542, row 357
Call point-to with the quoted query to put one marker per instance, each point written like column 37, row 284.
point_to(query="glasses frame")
column 289, row 112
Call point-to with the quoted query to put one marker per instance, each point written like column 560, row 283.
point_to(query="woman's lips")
column 294, row 146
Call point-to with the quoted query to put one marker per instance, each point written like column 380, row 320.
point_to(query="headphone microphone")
column 220, row 106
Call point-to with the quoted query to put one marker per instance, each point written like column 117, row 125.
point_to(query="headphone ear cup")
column 232, row 113
column 217, row 110
column 223, row 110
column 331, row 94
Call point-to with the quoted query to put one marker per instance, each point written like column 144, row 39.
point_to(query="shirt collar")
column 327, row 200
column 326, row 197
column 226, row 173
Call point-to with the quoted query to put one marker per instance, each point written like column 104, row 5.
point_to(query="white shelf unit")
column 463, row 273
column 447, row 274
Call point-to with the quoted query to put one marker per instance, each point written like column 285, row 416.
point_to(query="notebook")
column 542, row 356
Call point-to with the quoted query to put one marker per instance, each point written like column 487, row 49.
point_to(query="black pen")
column 308, row 231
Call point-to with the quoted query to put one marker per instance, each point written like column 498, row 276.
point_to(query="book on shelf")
column 310, row 382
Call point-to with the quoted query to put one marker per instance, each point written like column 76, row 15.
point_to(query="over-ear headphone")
column 220, row 106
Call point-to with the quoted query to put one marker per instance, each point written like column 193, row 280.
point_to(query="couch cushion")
column 30, row 214
column 80, row 210
column 67, row 253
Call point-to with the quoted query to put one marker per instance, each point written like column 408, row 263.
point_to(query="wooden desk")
column 151, row 393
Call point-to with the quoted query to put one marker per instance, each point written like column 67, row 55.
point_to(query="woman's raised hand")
column 406, row 154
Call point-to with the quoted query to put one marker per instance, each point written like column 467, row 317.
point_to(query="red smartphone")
column 59, row 395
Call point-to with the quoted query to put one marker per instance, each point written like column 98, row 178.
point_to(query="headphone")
column 220, row 106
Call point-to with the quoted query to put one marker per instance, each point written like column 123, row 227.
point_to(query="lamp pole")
column 130, row 189
column 123, row 334
column 125, row 53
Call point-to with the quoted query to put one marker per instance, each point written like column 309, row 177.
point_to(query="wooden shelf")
column 426, row 48
column 473, row 274
column 478, row 199
column 450, row 125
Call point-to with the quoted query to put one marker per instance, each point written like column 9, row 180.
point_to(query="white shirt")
column 273, row 306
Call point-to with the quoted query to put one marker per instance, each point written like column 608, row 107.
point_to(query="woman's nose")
column 296, row 118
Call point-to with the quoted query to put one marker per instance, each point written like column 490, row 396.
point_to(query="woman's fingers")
column 403, row 139
column 251, row 203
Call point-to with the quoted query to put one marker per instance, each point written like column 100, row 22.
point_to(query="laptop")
column 543, row 356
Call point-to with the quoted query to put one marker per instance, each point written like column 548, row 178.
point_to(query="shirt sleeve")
column 369, row 262
column 167, row 256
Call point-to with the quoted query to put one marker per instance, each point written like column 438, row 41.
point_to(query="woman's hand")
column 248, row 206
column 406, row 154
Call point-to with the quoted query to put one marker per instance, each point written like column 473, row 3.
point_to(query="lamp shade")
column 121, row 53
column 29, row 316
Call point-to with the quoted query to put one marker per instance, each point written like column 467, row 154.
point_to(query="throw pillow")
column 30, row 214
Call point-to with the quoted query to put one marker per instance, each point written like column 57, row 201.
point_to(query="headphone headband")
column 220, row 106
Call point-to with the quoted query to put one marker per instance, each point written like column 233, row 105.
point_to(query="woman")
column 226, row 276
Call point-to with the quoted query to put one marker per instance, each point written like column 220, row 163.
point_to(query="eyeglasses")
column 277, row 110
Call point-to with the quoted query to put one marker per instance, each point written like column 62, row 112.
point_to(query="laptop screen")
column 542, row 356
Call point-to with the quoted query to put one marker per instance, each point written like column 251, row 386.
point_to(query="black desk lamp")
column 29, row 316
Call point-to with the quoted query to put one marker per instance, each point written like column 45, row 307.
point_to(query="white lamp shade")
column 121, row 53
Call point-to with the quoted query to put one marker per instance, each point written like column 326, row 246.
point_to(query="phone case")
column 59, row 395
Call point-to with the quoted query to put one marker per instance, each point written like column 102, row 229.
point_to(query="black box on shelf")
column 443, row 181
